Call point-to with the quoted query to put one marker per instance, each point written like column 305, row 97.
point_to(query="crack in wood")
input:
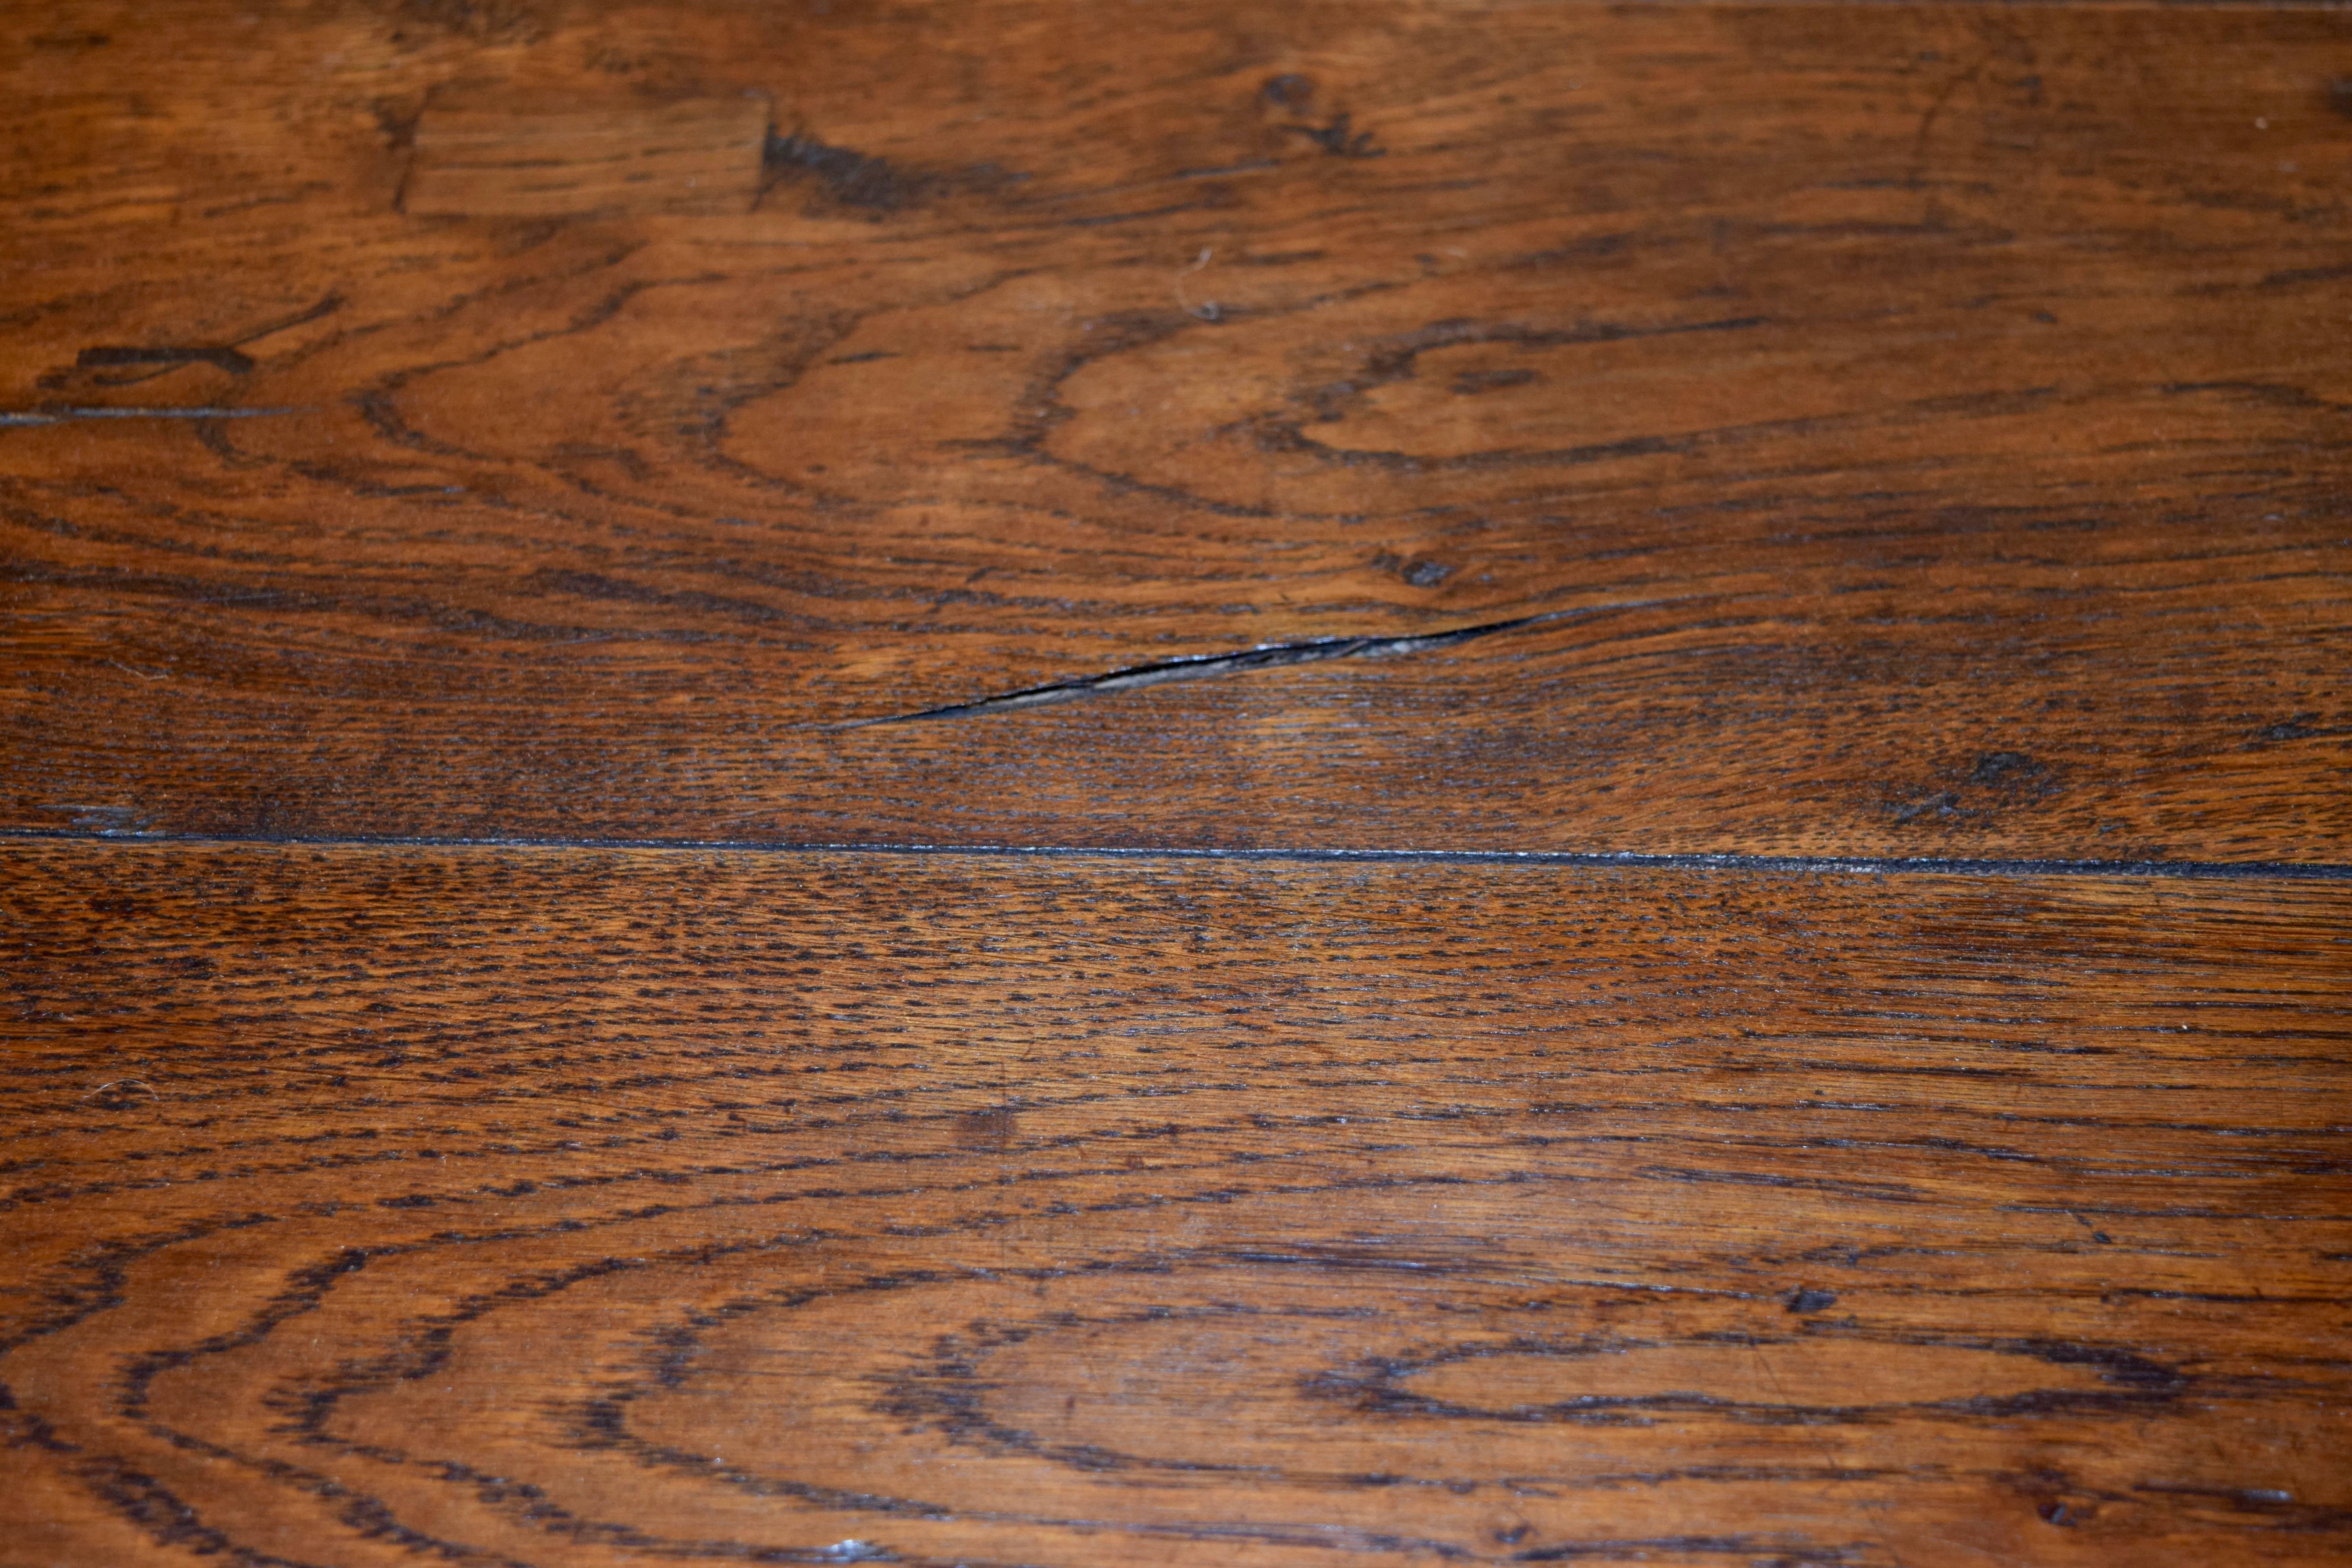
column 1196, row 666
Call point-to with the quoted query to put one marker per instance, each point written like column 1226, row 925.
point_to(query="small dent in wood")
column 992, row 1130
column 871, row 183
column 107, row 356
column 1341, row 139
column 484, row 21
column 1290, row 90
column 2007, row 769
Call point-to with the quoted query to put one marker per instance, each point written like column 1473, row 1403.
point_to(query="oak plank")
column 573, row 1207
column 583, row 155
column 1922, row 427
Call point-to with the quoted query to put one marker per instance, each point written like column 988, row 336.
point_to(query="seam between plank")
column 1849, row 864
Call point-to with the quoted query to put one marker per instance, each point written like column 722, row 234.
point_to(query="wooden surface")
column 1586, row 766
column 377, row 1206
column 1873, row 430
column 494, row 157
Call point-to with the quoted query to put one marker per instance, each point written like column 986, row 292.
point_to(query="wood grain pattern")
column 373, row 1206
column 582, row 155
column 1888, row 431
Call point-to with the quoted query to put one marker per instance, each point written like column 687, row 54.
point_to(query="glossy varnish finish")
column 374, row 1206
column 1842, row 512
column 1887, row 430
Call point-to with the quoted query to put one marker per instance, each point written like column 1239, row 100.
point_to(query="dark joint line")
column 1594, row 859
column 61, row 416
